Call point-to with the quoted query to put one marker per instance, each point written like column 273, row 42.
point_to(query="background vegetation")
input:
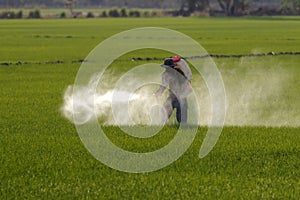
column 173, row 7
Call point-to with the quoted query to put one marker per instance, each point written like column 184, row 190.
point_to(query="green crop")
column 42, row 156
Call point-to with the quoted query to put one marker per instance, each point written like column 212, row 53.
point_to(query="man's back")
column 176, row 82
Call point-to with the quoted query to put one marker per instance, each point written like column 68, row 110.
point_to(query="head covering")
column 168, row 62
column 183, row 66
column 176, row 58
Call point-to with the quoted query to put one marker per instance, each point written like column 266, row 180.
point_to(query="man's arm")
column 163, row 86
column 186, row 69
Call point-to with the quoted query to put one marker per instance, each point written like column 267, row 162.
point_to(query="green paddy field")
column 257, row 155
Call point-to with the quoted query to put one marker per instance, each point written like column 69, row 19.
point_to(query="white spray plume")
column 87, row 106
column 258, row 93
column 83, row 104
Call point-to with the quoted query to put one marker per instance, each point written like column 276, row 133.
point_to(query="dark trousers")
column 180, row 104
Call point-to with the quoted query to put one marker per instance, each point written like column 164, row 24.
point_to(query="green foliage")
column 42, row 156
column 114, row 13
column 63, row 15
column 198, row 5
column 290, row 5
column 34, row 14
column 123, row 12
column 134, row 13
column 11, row 15
column 19, row 14
column 104, row 14
column 90, row 15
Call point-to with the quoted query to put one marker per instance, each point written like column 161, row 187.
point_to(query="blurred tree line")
column 184, row 7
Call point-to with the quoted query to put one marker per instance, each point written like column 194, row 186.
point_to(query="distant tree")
column 34, row 14
column 232, row 7
column 194, row 5
column 63, row 15
column 198, row 5
column 19, row 14
column 114, row 13
column 103, row 14
column 123, row 12
column 228, row 6
column 7, row 15
column 134, row 13
column 70, row 4
column 87, row 3
column 90, row 15
column 290, row 5
column 297, row 4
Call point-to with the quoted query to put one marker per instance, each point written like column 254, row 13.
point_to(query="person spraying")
column 176, row 78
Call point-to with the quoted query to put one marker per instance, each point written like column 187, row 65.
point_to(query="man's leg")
column 168, row 109
column 181, row 110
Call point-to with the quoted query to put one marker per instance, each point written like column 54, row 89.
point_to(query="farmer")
column 176, row 77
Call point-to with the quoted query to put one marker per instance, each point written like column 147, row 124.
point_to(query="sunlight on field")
column 42, row 156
